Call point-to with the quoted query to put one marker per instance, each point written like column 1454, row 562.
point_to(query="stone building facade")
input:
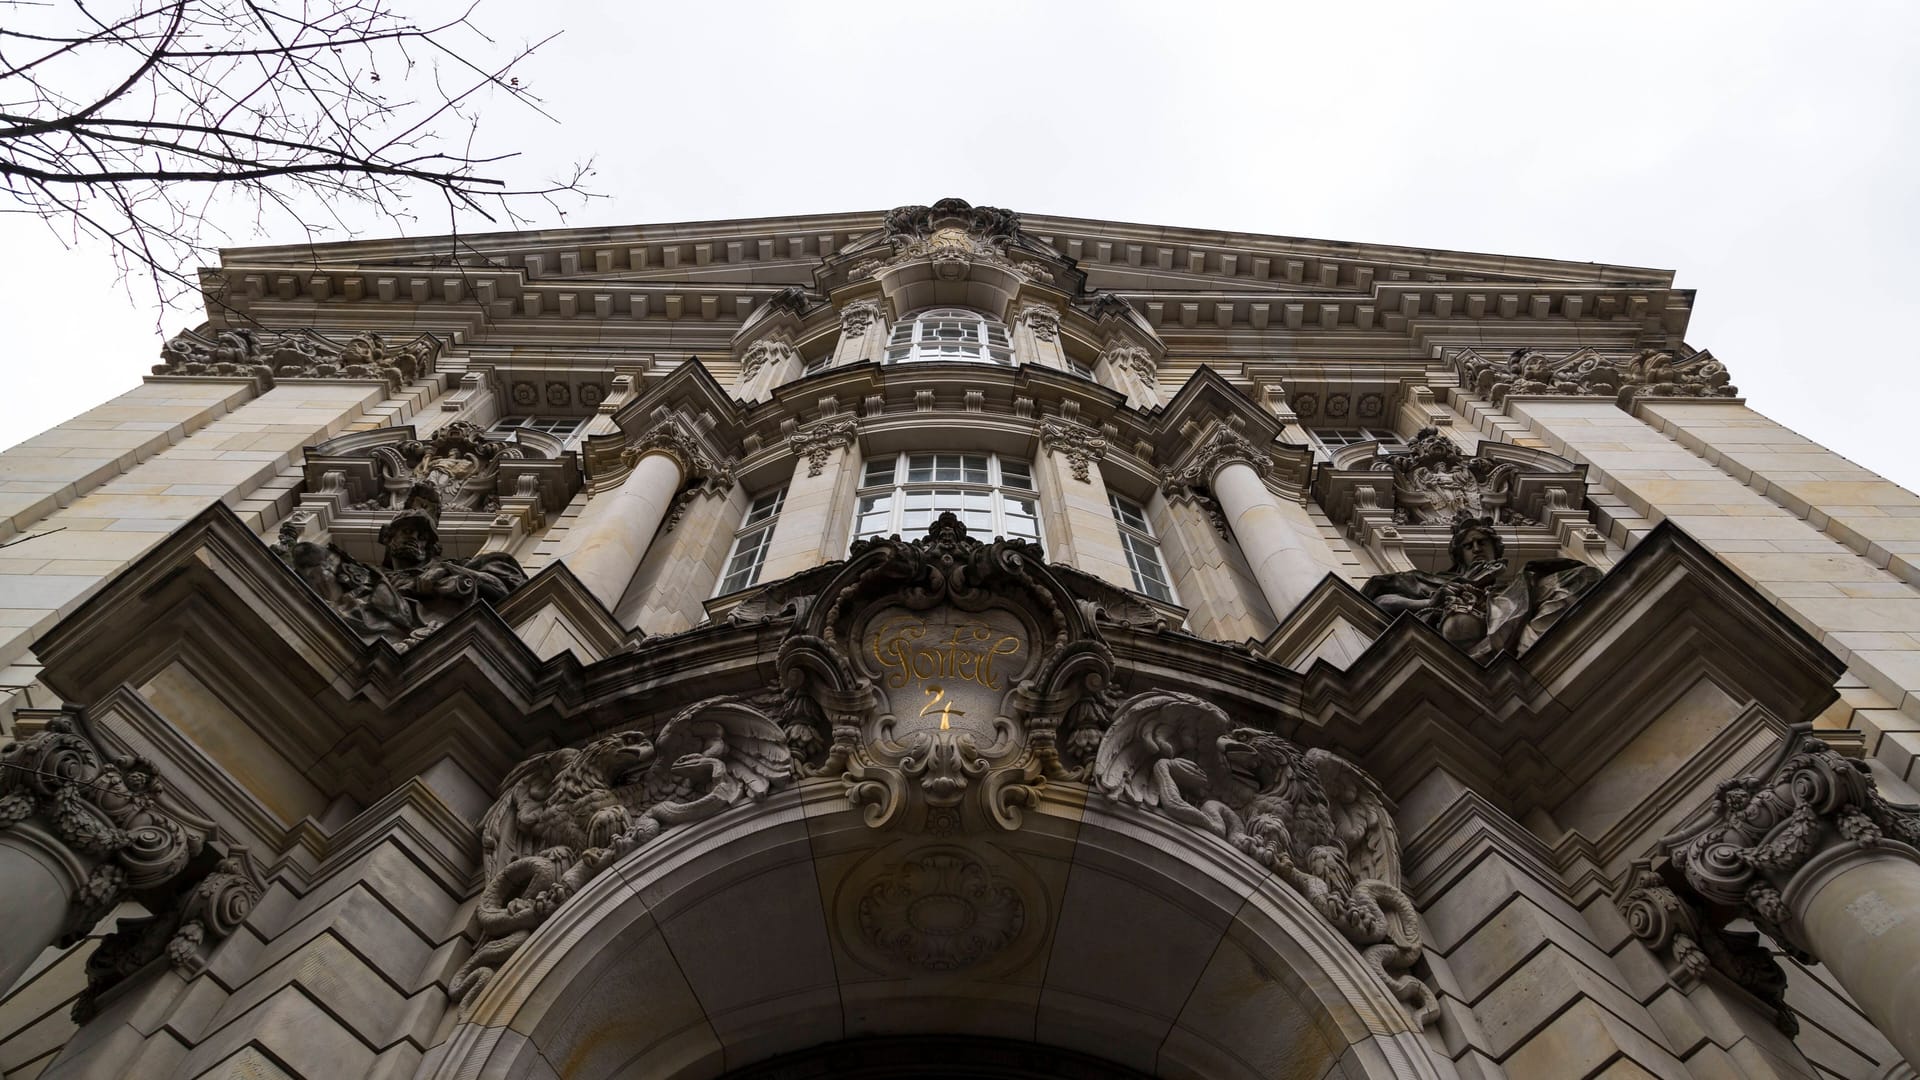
column 821, row 646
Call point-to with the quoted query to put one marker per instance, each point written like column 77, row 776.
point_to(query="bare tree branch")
column 141, row 127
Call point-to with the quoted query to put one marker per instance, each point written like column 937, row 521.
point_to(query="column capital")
column 670, row 439
column 109, row 813
column 1222, row 448
column 1080, row 444
column 1766, row 833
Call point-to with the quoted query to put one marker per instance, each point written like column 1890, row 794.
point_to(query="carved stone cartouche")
column 1474, row 603
column 454, row 469
column 564, row 816
column 415, row 589
column 1435, row 483
column 1310, row 816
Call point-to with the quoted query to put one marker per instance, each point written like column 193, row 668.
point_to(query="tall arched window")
column 950, row 334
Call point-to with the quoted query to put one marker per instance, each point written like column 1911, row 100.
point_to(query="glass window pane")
column 1016, row 474
column 919, row 468
column 975, row 466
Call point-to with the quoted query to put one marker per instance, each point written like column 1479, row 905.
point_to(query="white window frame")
column 1390, row 440
column 899, row 487
column 939, row 334
column 504, row 427
column 1141, row 547
column 751, row 540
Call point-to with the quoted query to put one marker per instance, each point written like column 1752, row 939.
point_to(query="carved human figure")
column 1310, row 816
column 1476, row 603
column 564, row 816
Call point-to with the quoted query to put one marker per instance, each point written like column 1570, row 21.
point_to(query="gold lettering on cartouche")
column 901, row 648
column 947, row 711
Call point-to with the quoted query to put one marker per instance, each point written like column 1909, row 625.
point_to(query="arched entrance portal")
column 791, row 925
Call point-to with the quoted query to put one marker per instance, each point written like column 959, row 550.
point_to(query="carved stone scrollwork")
column 858, row 316
column 563, row 817
column 942, row 910
column 109, row 809
column 1081, row 444
column 1223, row 447
column 1127, row 356
column 1042, row 319
column 935, row 674
column 1762, row 828
column 296, row 354
column 817, row 441
column 1436, row 483
column 763, row 353
column 1587, row 373
column 454, row 469
column 1310, row 816
column 1675, row 930
column 702, row 474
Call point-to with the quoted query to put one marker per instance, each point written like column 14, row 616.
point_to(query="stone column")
column 82, row 828
column 1810, row 852
column 1277, row 537
column 604, row 548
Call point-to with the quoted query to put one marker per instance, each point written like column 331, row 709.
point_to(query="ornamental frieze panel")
column 297, row 354
column 1589, row 373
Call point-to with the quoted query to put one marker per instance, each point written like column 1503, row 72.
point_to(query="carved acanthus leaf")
column 1082, row 445
column 297, row 354
column 817, row 441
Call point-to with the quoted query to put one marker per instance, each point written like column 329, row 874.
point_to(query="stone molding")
column 297, row 354
column 1080, row 444
column 819, row 440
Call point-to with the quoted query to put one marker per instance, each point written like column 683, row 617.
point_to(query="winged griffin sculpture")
column 564, row 816
column 1310, row 816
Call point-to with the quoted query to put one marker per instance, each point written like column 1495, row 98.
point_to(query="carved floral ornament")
column 817, row 441
column 1739, row 857
column 860, row 315
column 1081, row 445
column 942, row 684
column 112, row 812
column 1042, row 319
column 763, row 353
column 1587, row 373
column 296, row 354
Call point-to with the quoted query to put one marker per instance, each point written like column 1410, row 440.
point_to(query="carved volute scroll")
column 115, row 814
column 1760, row 829
column 944, row 676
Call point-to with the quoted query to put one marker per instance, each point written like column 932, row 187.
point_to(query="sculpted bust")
column 1475, row 603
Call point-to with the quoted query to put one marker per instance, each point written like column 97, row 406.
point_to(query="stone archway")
column 790, row 924
column 935, row 1057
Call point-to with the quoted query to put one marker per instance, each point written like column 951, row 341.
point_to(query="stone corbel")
column 1081, row 445
column 1674, row 929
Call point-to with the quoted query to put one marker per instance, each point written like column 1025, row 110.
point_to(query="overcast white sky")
column 1764, row 151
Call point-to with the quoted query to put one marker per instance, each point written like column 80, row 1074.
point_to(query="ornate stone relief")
column 1587, row 373
column 762, row 353
column 1434, row 482
column 1124, row 355
column 564, row 816
column 1310, row 816
column 941, row 909
column 1675, row 929
column 952, row 235
column 1042, row 319
column 1194, row 480
column 858, row 316
column 110, row 810
column 1477, row 603
column 413, row 591
column 456, row 468
column 1763, row 827
column 818, row 441
column 297, row 354
column 703, row 475
column 1081, row 444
